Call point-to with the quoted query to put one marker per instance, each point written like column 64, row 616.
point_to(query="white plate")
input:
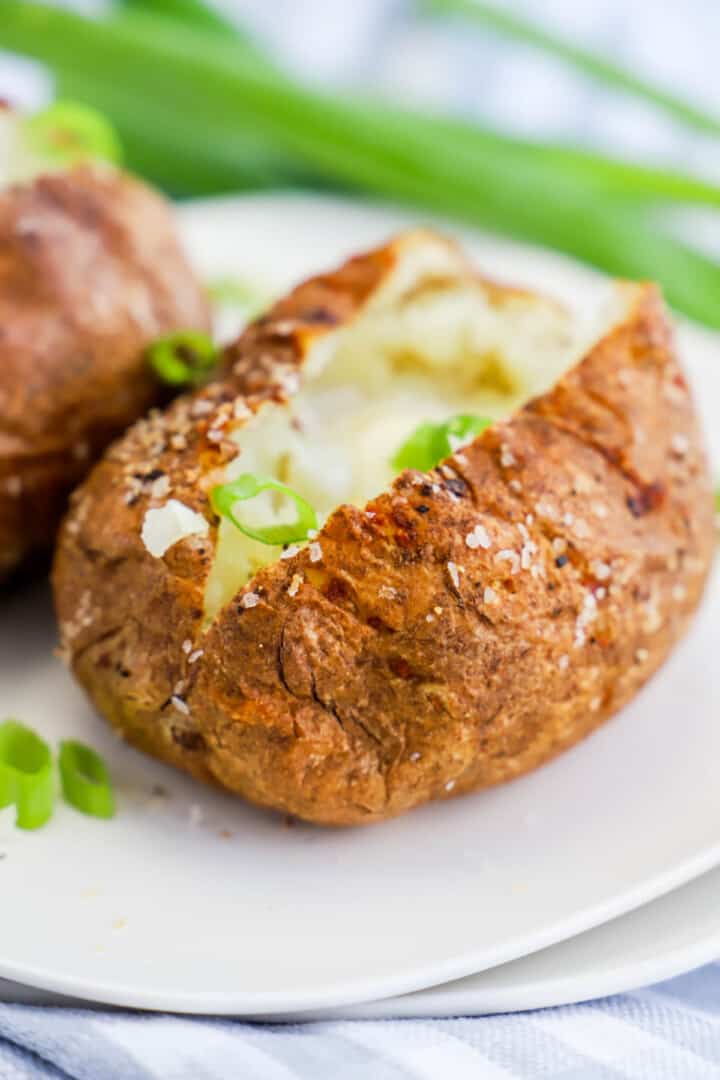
column 154, row 911
column 664, row 938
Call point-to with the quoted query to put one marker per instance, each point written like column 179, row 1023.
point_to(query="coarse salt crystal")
column 454, row 575
column 586, row 616
column 601, row 570
column 489, row 595
column 250, row 600
column 164, row 526
column 526, row 554
column 415, row 756
column 240, row 410
column 450, row 785
column 641, row 655
column 180, row 705
column 568, row 519
column 515, row 486
column 546, row 509
column 186, row 646
column 508, row 555
column 290, row 552
column 294, row 586
column 564, row 662
column 507, row 458
column 195, row 656
column 478, row 538
column 386, row 592
column 315, row 552
column 160, row 487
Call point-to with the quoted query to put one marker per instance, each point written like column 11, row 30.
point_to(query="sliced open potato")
column 439, row 630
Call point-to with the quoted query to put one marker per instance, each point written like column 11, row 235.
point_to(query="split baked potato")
column 444, row 629
column 91, row 272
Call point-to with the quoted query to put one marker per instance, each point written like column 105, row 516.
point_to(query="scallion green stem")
column 26, row 774
column 353, row 144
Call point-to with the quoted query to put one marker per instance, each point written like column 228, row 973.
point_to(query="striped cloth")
column 669, row 1032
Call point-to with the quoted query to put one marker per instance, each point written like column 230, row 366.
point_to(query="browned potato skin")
column 90, row 272
column 374, row 683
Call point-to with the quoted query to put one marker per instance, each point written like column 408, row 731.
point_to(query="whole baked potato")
column 444, row 629
column 91, row 272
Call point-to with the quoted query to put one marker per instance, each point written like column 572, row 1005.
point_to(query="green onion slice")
column 429, row 444
column 85, row 780
column 238, row 292
column 225, row 497
column 184, row 358
column 26, row 774
column 67, row 133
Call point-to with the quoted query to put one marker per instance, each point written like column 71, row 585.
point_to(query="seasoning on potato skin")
column 404, row 666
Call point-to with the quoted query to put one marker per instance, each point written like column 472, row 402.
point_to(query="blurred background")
column 592, row 128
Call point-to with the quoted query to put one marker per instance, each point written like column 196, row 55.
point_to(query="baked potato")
column 91, row 271
column 443, row 630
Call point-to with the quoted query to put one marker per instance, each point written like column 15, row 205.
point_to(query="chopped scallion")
column 26, row 774
column 429, row 444
column 225, row 498
column 85, row 780
column 184, row 358
column 67, row 133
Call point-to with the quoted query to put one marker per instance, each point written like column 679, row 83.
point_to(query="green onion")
column 224, row 96
column 238, row 292
column 184, row 358
column 225, row 497
column 201, row 16
column 86, row 783
column 26, row 775
column 67, row 133
column 429, row 444
column 417, row 450
column 584, row 60
column 600, row 172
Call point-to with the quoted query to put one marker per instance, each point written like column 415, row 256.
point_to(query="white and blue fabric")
column 668, row 1032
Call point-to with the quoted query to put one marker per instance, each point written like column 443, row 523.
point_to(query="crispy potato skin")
column 404, row 666
column 90, row 272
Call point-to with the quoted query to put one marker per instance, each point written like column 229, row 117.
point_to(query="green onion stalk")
column 225, row 96
column 26, row 775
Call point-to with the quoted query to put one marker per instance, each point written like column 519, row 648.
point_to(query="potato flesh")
column 365, row 389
